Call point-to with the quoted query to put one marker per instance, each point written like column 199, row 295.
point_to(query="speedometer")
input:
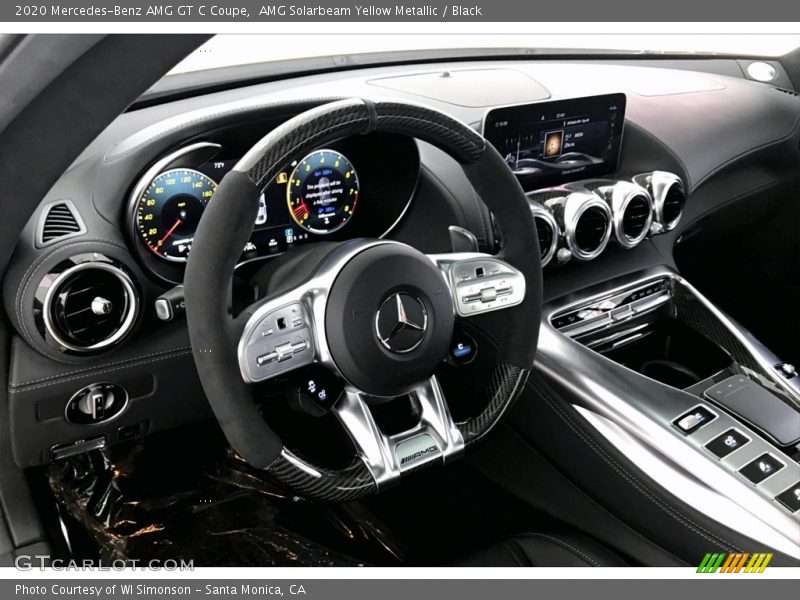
column 323, row 192
column 168, row 211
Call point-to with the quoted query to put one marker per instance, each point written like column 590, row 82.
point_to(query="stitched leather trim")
column 631, row 479
column 58, row 379
column 562, row 543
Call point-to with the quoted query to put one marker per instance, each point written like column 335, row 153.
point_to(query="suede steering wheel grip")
column 227, row 224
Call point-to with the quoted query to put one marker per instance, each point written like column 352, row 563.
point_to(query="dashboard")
column 619, row 163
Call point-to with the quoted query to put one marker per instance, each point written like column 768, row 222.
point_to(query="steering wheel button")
column 267, row 358
column 284, row 352
column 488, row 294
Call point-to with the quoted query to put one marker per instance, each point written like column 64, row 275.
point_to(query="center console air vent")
column 585, row 219
column 590, row 229
column 632, row 207
column 546, row 231
column 672, row 207
column 668, row 195
column 58, row 220
column 89, row 306
column 636, row 217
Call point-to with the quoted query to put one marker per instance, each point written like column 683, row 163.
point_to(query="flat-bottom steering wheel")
column 376, row 313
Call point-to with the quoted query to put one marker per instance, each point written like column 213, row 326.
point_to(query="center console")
column 687, row 394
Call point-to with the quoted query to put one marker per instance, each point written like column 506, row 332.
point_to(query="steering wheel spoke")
column 434, row 439
column 480, row 283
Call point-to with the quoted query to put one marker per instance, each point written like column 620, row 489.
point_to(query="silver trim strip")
column 644, row 432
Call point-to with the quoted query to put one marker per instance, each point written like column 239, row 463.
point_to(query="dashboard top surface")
column 705, row 119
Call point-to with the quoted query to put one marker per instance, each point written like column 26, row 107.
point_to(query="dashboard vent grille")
column 92, row 307
column 545, row 233
column 60, row 220
column 590, row 230
column 636, row 217
column 673, row 204
column 790, row 92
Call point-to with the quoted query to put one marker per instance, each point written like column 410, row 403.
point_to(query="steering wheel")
column 378, row 314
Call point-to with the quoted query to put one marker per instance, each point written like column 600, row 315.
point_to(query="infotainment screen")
column 548, row 143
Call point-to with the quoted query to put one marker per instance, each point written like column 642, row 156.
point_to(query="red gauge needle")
column 169, row 233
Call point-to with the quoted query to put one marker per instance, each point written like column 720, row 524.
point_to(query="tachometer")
column 322, row 192
column 168, row 211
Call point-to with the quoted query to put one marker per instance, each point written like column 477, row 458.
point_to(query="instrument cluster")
column 355, row 188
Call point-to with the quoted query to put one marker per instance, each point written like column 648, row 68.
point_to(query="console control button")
column 96, row 403
column 726, row 443
column 694, row 419
column 761, row 468
column 790, row 498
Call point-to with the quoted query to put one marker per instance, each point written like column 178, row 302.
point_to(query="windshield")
column 233, row 50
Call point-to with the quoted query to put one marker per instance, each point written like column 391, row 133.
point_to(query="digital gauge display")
column 323, row 192
column 310, row 198
column 169, row 210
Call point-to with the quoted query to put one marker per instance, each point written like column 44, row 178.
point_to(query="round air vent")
column 587, row 224
column 636, row 218
column 672, row 208
column 632, row 207
column 590, row 229
column 546, row 231
column 666, row 190
column 89, row 306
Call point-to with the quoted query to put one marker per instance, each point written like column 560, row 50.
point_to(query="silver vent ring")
column 575, row 207
column 621, row 195
column 125, row 326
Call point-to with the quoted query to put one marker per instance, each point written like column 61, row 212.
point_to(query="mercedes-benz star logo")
column 401, row 322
